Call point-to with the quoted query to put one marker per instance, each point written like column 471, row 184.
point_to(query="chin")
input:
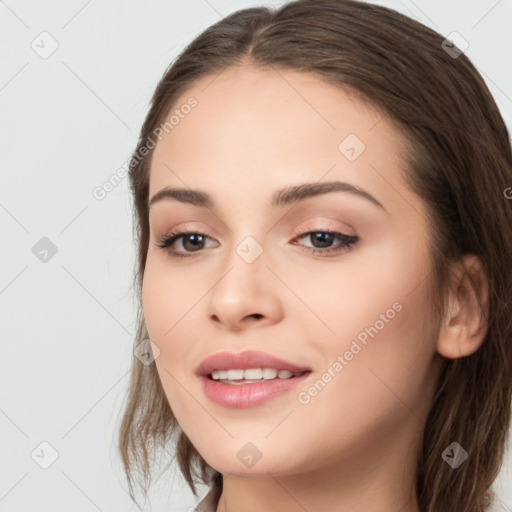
column 247, row 459
column 260, row 469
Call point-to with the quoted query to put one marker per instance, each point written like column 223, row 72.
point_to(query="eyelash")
column 348, row 241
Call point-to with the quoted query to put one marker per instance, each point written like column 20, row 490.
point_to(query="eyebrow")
column 286, row 196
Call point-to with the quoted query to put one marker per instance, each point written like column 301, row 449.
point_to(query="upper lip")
column 245, row 360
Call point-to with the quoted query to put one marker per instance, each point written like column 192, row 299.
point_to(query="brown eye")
column 191, row 242
column 322, row 241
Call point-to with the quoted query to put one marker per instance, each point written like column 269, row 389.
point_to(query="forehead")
column 252, row 128
column 281, row 104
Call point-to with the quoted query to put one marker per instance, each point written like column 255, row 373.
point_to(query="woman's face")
column 262, row 273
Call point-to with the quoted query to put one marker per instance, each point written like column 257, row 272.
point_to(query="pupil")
column 197, row 238
column 324, row 238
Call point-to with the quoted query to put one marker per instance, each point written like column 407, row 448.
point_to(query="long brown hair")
column 460, row 165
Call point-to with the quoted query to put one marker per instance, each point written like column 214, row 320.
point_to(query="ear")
column 464, row 325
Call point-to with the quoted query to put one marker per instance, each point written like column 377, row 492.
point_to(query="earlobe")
column 464, row 325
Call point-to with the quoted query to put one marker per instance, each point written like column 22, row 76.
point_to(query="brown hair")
column 460, row 164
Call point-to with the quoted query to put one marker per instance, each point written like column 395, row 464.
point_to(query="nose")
column 245, row 294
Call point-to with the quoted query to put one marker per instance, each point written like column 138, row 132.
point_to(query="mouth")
column 244, row 393
column 248, row 379
column 255, row 365
column 252, row 375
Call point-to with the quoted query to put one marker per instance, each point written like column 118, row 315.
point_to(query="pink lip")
column 240, row 396
column 247, row 395
column 245, row 360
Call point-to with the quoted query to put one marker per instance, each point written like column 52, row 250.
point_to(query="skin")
column 353, row 446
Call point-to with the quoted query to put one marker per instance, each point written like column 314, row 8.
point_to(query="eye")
column 192, row 242
column 322, row 241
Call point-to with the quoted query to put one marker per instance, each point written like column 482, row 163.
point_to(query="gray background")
column 68, row 122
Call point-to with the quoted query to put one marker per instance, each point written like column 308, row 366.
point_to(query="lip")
column 241, row 396
column 245, row 360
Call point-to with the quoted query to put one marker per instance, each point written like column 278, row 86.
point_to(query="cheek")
column 166, row 301
column 373, row 312
column 346, row 297
column 383, row 378
column 156, row 304
column 167, row 297
column 390, row 344
column 171, row 301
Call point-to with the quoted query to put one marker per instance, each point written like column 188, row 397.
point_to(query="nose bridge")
column 246, row 241
column 243, row 289
column 244, row 266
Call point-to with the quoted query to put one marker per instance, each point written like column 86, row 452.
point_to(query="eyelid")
column 323, row 225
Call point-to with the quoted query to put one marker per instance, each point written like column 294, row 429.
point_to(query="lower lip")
column 240, row 396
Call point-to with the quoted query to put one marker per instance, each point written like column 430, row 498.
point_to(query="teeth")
column 235, row 374
column 253, row 374
column 269, row 373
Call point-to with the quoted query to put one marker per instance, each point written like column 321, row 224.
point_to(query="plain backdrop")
column 76, row 78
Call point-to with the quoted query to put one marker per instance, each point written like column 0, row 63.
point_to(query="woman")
column 341, row 340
